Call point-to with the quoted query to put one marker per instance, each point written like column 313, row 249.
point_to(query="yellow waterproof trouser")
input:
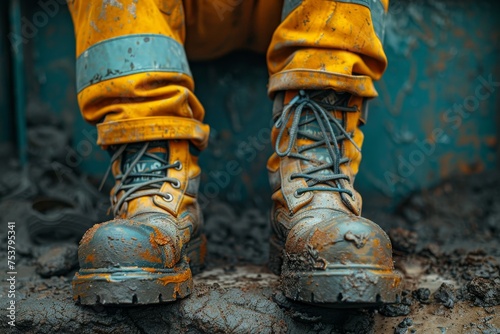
column 133, row 77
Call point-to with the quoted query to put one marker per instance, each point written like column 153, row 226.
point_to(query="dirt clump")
column 57, row 260
column 404, row 327
column 422, row 295
column 446, row 295
column 484, row 292
column 403, row 240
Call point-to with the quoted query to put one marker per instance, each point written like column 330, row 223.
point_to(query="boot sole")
column 356, row 288
column 346, row 286
column 140, row 286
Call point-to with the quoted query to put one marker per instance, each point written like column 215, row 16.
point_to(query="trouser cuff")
column 359, row 85
column 153, row 128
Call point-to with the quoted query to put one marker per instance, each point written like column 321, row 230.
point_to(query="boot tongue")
column 146, row 162
column 312, row 128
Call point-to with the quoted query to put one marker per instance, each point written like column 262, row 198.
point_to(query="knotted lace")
column 151, row 180
column 323, row 116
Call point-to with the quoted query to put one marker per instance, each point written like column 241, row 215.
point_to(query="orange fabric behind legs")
column 216, row 27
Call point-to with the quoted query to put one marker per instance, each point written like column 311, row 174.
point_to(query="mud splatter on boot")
column 148, row 253
column 325, row 252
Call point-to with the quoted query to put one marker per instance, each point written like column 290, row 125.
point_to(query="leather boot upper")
column 316, row 211
column 154, row 205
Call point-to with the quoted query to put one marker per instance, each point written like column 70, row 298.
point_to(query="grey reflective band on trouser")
column 376, row 7
column 288, row 7
column 130, row 54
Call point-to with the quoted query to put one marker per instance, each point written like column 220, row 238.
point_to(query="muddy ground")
column 445, row 242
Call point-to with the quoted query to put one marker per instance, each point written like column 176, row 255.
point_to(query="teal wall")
column 6, row 111
column 434, row 118
column 440, row 55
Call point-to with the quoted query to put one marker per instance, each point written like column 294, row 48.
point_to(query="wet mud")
column 445, row 243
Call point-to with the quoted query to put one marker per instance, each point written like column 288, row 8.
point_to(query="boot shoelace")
column 147, row 187
column 322, row 112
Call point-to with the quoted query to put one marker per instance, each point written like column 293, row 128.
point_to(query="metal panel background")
column 433, row 118
column 6, row 112
column 440, row 53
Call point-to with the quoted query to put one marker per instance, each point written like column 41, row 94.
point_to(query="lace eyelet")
column 179, row 167
column 176, row 185
column 297, row 195
column 168, row 197
column 290, row 178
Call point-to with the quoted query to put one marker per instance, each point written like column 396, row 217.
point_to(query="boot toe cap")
column 341, row 240
column 124, row 243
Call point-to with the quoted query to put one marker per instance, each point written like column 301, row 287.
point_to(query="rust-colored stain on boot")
column 325, row 252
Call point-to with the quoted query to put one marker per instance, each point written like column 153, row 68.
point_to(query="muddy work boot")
column 149, row 252
column 325, row 252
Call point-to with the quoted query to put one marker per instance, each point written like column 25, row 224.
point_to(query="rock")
column 446, row 295
column 484, row 292
column 58, row 260
column 395, row 310
column 403, row 240
column 403, row 326
column 406, row 300
column 422, row 295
